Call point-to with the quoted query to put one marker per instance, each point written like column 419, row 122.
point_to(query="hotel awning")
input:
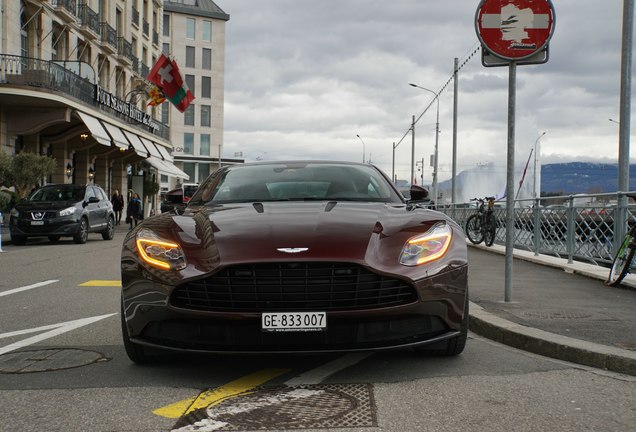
column 155, row 159
column 118, row 137
column 95, row 127
column 136, row 143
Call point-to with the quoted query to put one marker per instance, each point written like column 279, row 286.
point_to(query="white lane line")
column 57, row 329
column 319, row 374
column 28, row 287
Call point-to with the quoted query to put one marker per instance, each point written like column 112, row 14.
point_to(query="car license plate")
column 294, row 321
column 37, row 222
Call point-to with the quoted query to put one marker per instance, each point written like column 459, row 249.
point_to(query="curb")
column 549, row 344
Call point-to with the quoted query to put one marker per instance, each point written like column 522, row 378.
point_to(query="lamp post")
column 534, row 170
column 363, row 151
column 435, row 157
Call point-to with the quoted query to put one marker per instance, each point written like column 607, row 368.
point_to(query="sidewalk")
column 559, row 310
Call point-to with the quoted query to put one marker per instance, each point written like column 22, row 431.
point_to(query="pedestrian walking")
column 118, row 205
column 133, row 211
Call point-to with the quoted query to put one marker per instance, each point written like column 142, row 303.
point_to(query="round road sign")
column 514, row 29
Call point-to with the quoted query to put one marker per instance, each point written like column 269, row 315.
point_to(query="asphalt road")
column 63, row 368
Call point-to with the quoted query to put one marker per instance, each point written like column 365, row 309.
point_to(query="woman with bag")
column 133, row 211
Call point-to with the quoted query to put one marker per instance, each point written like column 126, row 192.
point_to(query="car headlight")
column 158, row 252
column 67, row 211
column 427, row 247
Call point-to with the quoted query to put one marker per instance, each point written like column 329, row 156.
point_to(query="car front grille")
column 293, row 287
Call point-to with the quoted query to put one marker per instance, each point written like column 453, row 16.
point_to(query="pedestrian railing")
column 577, row 227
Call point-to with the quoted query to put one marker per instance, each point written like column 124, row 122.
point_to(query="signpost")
column 513, row 32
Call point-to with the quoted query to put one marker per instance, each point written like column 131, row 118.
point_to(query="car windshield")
column 296, row 182
column 58, row 193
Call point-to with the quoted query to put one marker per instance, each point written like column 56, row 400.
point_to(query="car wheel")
column 136, row 353
column 109, row 232
column 82, row 233
column 449, row 347
column 18, row 240
column 54, row 238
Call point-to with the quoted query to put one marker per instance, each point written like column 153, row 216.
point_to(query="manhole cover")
column 288, row 407
column 47, row 360
column 548, row 315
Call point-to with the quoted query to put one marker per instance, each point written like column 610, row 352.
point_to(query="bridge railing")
column 577, row 227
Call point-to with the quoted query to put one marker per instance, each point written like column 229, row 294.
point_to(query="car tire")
column 18, row 240
column 54, row 238
column 135, row 352
column 449, row 347
column 109, row 232
column 82, row 234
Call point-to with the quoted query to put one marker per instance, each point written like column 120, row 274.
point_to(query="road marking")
column 102, row 283
column 28, row 287
column 54, row 330
column 319, row 374
column 219, row 394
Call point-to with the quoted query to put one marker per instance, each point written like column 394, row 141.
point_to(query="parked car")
column 302, row 256
column 63, row 210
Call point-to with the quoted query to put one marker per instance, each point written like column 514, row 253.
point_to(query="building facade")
column 194, row 35
column 73, row 86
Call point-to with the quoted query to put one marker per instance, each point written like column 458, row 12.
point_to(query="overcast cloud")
column 304, row 77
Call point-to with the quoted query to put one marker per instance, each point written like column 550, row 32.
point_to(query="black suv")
column 63, row 210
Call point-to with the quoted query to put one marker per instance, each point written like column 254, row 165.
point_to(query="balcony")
column 145, row 70
column 89, row 21
column 125, row 50
column 135, row 17
column 67, row 8
column 109, row 38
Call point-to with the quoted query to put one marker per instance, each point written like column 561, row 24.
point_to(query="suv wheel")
column 82, row 233
column 109, row 232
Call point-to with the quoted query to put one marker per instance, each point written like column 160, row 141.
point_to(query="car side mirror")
column 418, row 193
column 93, row 200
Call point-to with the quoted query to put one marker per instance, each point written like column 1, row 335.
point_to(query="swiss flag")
column 165, row 74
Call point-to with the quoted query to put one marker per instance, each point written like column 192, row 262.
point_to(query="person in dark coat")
column 133, row 211
column 118, row 205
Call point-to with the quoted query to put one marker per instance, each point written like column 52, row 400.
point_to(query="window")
column 188, row 116
column 206, row 87
column 165, row 112
column 166, row 25
column 206, row 30
column 189, row 56
column 189, row 79
column 188, row 143
column 163, row 178
column 204, row 171
column 205, row 115
column 189, row 169
column 204, row 149
column 190, row 28
column 165, row 48
column 206, row 59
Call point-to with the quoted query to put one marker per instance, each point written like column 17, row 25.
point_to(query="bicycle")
column 481, row 226
column 624, row 256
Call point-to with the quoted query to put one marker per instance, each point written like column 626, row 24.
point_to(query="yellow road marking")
column 219, row 394
column 105, row 283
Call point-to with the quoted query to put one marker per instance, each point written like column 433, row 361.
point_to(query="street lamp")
column 436, row 141
column 534, row 173
column 363, row 151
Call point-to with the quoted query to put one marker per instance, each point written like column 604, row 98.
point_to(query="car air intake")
column 293, row 287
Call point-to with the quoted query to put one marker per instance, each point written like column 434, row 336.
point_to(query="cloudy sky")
column 305, row 77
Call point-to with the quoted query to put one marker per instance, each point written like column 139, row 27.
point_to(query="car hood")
column 44, row 205
column 370, row 234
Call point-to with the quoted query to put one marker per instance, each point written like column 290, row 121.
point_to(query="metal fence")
column 577, row 227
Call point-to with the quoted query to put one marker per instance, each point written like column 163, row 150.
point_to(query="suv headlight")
column 160, row 253
column 67, row 211
column 427, row 247
column 15, row 213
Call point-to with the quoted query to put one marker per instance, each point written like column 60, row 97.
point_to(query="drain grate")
column 46, row 360
column 288, row 407
column 549, row 315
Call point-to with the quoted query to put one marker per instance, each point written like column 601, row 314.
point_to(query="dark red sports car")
column 306, row 256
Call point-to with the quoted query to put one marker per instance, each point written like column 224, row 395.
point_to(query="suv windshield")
column 58, row 193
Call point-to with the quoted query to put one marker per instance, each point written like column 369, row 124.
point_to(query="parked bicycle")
column 482, row 225
column 624, row 256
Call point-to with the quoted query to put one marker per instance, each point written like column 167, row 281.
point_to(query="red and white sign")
column 514, row 29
